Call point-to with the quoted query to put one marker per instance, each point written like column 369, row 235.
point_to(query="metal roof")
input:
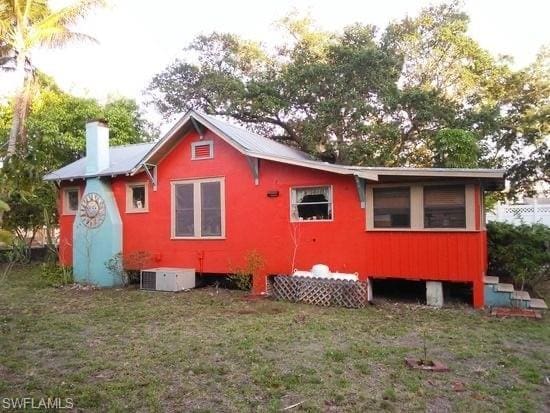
column 123, row 159
column 130, row 159
column 246, row 142
column 448, row 172
column 254, row 143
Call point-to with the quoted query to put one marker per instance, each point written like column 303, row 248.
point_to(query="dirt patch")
column 439, row 405
column 8, row 375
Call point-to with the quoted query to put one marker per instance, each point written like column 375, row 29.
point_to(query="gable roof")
column 131, row 159
column 252, row 142
column 248, row 143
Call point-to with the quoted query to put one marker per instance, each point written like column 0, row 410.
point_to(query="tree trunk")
column 19, row 106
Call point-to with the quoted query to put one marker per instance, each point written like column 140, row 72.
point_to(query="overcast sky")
column 139, row 38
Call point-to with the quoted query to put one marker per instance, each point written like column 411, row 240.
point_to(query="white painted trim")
column 209, row 143
column 65, row 201
column 313, row 220
column 130, row 209
column 196, row 207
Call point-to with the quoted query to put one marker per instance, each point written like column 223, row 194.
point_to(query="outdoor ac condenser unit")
column 167, row 279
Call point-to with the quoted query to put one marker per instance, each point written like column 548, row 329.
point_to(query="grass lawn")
column 128, row 350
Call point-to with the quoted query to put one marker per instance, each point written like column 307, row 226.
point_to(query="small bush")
column 128, row 267
column 241, row 277
column 56, row 275
column 521, row 252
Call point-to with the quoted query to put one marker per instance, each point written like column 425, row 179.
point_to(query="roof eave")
column 49, row 177
column 316, row 165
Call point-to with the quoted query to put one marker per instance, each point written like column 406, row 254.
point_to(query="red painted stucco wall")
column 257, row 222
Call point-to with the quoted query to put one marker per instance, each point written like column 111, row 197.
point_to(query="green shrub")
column 241, row 277
column 521, row 252
column 56, row 275
column 128, row 267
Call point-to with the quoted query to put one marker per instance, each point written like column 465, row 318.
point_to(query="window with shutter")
column 444, row 206
column 202, row 150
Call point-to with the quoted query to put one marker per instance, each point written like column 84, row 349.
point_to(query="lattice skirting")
column 319, row 291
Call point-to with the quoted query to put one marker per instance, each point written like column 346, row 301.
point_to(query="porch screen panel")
column 184, row 210
column 392, row 207
column 211, row 214
column 445, row 206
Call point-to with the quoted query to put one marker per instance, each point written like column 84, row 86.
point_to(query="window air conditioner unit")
column 167, row 279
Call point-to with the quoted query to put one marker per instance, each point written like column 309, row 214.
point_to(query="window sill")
column 422, row 230
column 309, row 221
column 69, row 214
column 197, row 238
column 137, row 211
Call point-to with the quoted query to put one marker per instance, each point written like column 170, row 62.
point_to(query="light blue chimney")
column 97, row 147
column 97, row 229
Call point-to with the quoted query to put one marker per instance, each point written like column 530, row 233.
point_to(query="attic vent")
column 202, row 150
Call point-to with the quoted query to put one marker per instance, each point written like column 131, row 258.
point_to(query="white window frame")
column 66, row 208
column 202, row 143
column 197, row 207
column 331, row 203
column 417, row 207
column 130, row 209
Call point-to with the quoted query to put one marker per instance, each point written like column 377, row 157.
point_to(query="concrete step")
column 490, row 279
column 520, row 295
column 504, row 288
column 537, row 304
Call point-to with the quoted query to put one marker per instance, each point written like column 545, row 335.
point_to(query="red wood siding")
column 66, row 226
column 255, row 221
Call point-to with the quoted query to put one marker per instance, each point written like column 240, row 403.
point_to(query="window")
column 202, row 150
column 136, row 198
column 311, row 203
column 71, row 201
column 444, row 206
column 198, row 209
column 392, row 207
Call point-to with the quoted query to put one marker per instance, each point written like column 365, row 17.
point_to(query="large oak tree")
column 419, row 92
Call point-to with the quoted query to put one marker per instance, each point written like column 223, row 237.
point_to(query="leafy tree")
column 24, row 26
column 455, row 148
column 56, row 136
column 392, row 97
column 5, row 236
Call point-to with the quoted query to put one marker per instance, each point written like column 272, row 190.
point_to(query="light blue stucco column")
column 97, row 229
column 93, row 247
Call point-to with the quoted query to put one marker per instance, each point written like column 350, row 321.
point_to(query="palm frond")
column 3, row 206
column 70, row 14
column 56, row 37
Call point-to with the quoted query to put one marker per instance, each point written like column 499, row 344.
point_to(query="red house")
column 209, row 192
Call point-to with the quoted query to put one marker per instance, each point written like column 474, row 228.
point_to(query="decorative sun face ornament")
column 92, row 210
